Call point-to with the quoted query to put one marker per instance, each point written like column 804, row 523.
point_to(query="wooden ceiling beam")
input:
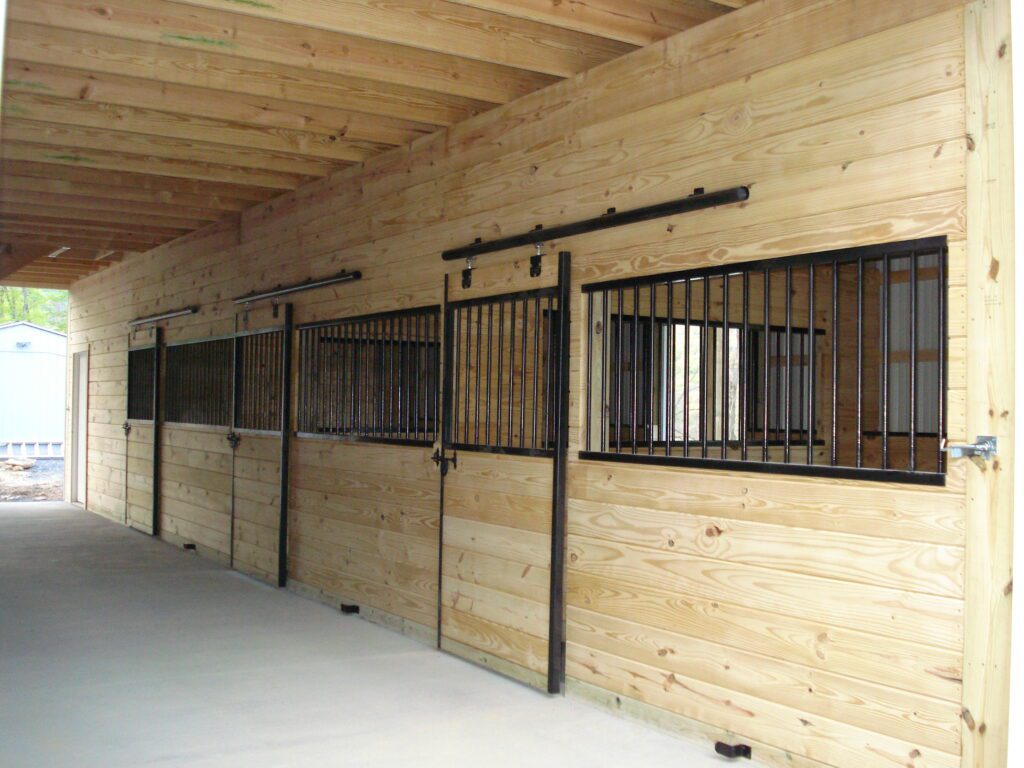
column 52, row 241
column 277, row 142
column 93, row 204
column 124, row 185
column 39, row 44
column 95, row 215
column 231, row 107
column 628, row 21
column 14, row 256
column 79, row 157
column 432, row 25
column 86, row 138
column 329, row 53
column 13, row 223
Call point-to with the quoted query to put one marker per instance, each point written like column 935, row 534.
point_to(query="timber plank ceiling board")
column 130, row 123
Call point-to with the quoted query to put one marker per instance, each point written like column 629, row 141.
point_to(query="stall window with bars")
column 197, row 386
column 141, row 366
column 258, row 364
column 373, row 377
column 501, row 372
column 828, row 364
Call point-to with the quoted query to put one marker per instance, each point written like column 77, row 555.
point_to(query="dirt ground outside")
column 42, row 482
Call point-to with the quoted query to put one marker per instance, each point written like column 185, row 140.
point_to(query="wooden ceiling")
column 127, row 123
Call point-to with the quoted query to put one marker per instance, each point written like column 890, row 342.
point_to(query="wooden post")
column 990, row 383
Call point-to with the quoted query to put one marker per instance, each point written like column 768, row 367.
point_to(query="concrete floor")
column 117, row 650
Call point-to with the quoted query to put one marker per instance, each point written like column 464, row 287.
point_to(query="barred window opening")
column 832, row 363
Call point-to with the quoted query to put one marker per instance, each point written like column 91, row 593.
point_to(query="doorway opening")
column 33, row 378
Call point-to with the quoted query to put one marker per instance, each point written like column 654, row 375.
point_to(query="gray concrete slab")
column 118, row 650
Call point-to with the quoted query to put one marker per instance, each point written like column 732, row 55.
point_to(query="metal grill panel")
column 830, row 364
column 198, row 382
column 373, row 377
column 141, row 369
column 258, row 376
column 501, row 373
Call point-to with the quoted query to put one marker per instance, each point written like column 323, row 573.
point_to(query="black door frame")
column 558, row 453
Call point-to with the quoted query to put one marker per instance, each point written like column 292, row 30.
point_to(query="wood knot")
column 968, row 718
column 1002, row 51
column 712, row 531
column 1008, row 589
column 970, row 143
column 993, row 269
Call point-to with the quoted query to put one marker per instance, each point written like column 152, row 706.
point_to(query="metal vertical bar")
column 788, row 373
column 835, row 362
column 501, row 358
column 704, row 358
column 766, row 344
column 511, row 368
column 391, row 388
column 912, row 426
column 469, row 356
column 479, row 333
column 604, row 405
column 943, row 321
column 590, row 377
column 158, row 338
column 456, row 362
column 635, row 365
column 725, row 365
column 811, row 364
column 522, row 374
column 744, row 404
column 886, row 274
column 444, row 360
column 490, row 354
column 556, row 601
column 651, row 371
column 417, row 346
column 536, row 373
column 860, row 363
column 286, row 432
column 686, row 375
column 670, row 366
column 549, row 374
column 618, row 375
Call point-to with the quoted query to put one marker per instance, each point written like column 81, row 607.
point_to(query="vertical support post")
column 236, row 379
column 286, row 433
column 158, row 342
column 990, row 272
column 556, row 619
column 445, row 438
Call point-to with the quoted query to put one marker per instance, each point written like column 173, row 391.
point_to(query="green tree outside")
column 47, row 307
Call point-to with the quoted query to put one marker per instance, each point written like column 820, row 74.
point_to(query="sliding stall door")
column 259, row 415
column 140, row 433
column 501, row 545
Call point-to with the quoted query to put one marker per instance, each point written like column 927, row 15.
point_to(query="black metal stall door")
column 504, row 441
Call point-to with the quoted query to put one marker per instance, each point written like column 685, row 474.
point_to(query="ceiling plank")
column 232, row 107
column 85, row 201
column 432, row 25
column 74, row 156
column 56, row 211
column 86, row 138
column 172, row 125
column 204, row 69
column 628, row 21
column 330, row 53
column 124, row 185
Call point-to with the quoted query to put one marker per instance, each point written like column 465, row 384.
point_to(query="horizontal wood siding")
column 822, row 618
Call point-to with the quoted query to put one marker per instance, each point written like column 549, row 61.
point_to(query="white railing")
column 31, row 449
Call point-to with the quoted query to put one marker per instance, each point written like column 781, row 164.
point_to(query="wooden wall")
column 820, row 620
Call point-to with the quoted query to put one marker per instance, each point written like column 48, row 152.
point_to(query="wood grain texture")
column 822, row 619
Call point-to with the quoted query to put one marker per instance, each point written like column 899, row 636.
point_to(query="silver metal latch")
column 983, row 447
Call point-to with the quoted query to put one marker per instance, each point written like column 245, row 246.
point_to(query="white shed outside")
column 33, row 374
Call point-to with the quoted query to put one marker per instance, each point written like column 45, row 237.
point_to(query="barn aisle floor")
column 118, row 650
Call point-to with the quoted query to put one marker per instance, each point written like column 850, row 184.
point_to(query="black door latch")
column 233, row 439
column 732, row 750
column 443, row 461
